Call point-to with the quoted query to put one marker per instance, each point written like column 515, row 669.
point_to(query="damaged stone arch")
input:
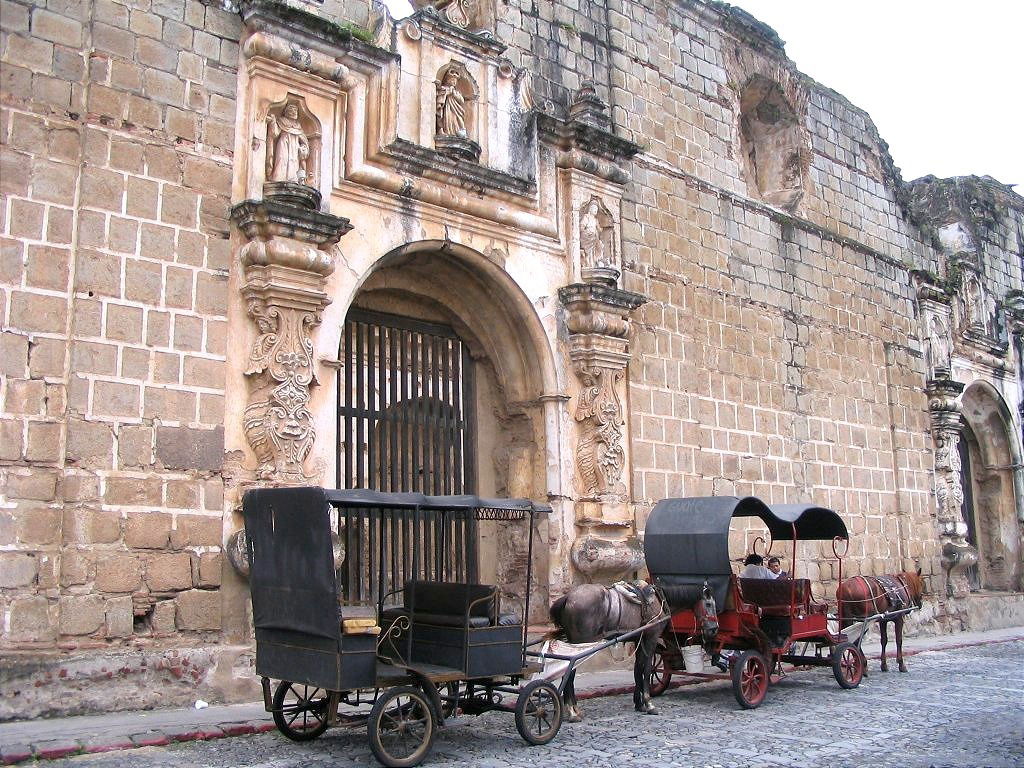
column 991, row 478
column 443, row 284
column 772, row 142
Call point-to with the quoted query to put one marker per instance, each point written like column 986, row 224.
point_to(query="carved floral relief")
column 600, row 457
column 278, row 423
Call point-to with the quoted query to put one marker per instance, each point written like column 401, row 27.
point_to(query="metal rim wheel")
column 538, row 712
column 847, row 665
column 661, row 672
column 750, row 679
column 300, row 711
column 401, row 727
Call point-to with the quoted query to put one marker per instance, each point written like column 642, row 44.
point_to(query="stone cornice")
column 607, row 296
column 431, row 164
column 306, row 29
column 268, row 217
column 479, row 44
column 585, row 136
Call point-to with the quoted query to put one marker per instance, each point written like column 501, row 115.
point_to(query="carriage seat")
column 772, row 596
column 450, row 604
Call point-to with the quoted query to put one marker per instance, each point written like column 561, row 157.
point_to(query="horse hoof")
column 573, row 717
column 650, row 709
column 903, row 669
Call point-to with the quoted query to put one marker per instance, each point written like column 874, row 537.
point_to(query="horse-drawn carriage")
column 401, row 634
column 752, row 626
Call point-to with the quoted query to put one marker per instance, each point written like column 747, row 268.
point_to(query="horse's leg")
column 885, row 641
column 899, row 644
column 572, row 706
column 642, row 666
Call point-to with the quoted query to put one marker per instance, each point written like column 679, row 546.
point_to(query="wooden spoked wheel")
column 401, row 727
column 538, row 712
column 847, row 665
column 661, row 672
column 750, row 677
column 300, row 711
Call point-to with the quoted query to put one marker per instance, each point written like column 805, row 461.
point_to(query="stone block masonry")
column 116, row 143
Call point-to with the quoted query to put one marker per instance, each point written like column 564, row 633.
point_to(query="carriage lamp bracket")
column 766, row 544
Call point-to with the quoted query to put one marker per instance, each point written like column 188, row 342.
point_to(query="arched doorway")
column 988, row 461
column 445, row 364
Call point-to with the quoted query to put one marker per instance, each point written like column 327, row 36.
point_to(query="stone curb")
column 14, row 754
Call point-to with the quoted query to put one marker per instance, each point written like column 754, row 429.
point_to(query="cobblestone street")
column 959, row 707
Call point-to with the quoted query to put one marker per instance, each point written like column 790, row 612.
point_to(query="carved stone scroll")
column 285, row 262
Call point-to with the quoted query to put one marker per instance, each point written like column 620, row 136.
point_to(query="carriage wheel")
column 847, row 665
column 401, row 727
column 750, row 679
column 661, row 672
column 300, row 711
column 538, row 712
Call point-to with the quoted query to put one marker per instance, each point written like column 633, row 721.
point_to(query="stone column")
column 598, row 322
column 957, row 553
column 285, row 262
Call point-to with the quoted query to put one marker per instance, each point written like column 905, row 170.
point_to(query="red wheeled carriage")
column 752, row 625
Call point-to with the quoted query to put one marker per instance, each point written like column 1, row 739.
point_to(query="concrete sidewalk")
column 61, row 737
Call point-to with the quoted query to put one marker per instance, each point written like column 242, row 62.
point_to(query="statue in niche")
column 451, row 106
column 597, row 248
column 937, row 350
column 287, row 147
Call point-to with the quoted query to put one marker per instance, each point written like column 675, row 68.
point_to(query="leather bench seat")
column 773, row 595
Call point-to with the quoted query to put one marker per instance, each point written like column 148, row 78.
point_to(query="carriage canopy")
column 687, row 540
column 388, row 538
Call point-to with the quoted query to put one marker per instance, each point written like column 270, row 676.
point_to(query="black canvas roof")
column 690, row 536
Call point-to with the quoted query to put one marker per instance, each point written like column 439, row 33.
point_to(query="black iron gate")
column 405, row 423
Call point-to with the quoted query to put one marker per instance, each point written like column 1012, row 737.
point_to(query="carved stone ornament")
column 937, row 348
column 285, row 262
column 957, row 552
column 588, row 107
column 456, row 94
column 600, row 457
column 451, row 105
column 293, row 143
column 598, row 261
column 598, row 325
column 606, row 559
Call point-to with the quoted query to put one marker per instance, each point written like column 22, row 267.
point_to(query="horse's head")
column 915, row 586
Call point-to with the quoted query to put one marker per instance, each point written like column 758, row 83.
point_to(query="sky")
column 943, row 80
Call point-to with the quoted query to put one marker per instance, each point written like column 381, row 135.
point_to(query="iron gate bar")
column 407, row 411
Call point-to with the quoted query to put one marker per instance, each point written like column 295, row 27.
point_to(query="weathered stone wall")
column 117, row 131
column 778, row 355
column 781, row 349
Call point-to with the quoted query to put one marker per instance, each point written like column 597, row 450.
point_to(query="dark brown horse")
column 591, row 612
column 863, row 596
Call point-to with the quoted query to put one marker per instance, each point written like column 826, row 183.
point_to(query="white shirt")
column 756, row 572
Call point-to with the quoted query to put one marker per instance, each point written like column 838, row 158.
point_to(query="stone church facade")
column 590, row 253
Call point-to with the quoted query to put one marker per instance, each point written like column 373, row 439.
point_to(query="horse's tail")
column 555, row 612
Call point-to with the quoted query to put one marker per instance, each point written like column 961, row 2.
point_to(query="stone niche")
column 771, row 140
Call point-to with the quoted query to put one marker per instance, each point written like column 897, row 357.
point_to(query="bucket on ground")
column 693, row 658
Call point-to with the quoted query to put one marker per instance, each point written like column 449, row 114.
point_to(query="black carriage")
column 399, row 636
column 755, row 625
